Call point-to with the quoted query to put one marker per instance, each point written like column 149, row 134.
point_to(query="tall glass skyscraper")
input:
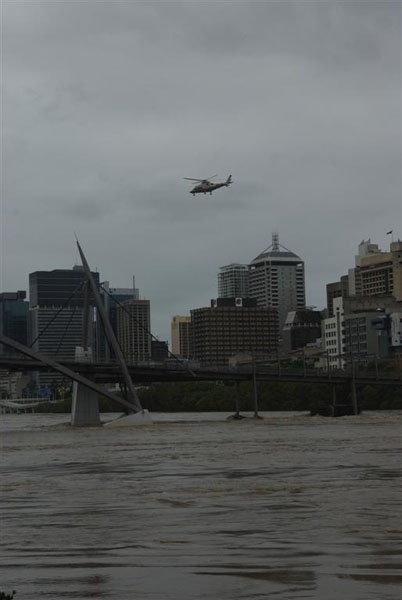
column 58, row 287
column 56, row 316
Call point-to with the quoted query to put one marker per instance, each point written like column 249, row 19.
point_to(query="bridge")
column 20, row 404
column 88, row 377
column 109, row 372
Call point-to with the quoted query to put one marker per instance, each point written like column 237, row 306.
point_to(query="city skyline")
column 301, row 102
column 135, row 292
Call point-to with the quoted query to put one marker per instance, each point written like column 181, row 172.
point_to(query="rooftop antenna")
column 275, row 241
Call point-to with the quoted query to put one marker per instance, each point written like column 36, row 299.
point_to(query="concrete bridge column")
column 85, row 404
column 354, row 396
column 255, row 392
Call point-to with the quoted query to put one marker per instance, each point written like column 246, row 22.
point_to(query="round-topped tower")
column 276, row 278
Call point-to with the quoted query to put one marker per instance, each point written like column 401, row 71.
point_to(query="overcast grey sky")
column 106, row 106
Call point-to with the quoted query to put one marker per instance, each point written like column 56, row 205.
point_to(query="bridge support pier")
column 255, row 392
column 237, row 415
column 334, row 398
column 84, row 407
column 237, row 401
column 85, row 403
column 353, row 394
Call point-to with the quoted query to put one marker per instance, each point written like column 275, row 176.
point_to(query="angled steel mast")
column 132, row 396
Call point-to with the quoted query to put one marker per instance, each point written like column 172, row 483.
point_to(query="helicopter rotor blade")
column 192, row 179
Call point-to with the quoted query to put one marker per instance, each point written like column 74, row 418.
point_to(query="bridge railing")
column 282, row 368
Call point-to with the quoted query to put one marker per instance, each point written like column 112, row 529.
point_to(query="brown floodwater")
column 197, row 507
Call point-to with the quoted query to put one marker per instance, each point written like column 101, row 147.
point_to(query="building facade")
column 233, row 281
column 337, row 289
column 181, row 334
column 226, row 329
column 56, row 333
column 333, row 335
column 13, row 318
column 363, row 327
column 60, row 287
column 134, row 330
column 56, row 316
column 276, row 279
column 159, row 350
column 112, row 298
column 301, row 327
column 377, row 273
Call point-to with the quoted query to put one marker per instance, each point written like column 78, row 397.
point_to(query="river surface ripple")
column 198, row 507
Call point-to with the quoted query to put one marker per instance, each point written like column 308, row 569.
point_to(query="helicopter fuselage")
column 205, row 186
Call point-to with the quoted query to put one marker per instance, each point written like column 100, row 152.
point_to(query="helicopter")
column 204, row 185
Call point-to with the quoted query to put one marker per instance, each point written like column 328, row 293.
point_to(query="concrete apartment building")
column 276, row 279
column 229, row 327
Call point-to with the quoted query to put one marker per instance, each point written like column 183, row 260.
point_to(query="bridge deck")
column 144, row 373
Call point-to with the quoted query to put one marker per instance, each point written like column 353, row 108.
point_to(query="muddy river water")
column 197, row 507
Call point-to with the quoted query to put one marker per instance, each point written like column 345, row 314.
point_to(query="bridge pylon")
column 85, row 403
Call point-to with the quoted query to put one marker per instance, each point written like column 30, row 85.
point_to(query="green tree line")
column 217, row 396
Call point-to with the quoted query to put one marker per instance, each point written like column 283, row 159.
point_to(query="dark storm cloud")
column 108, row 105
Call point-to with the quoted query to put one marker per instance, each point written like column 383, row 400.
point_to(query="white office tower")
column 333, row 336
column 233, row 281
column 276, row 278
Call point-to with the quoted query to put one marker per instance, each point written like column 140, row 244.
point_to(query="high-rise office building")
column 276, row 279
column 13, row 318
column 349, row 335
column 56, row 333
column 134, row 330
column 230, row 327
column 233, row 281
column 373, row 286
column 377, row 273
column 181, row 336
column 113, row 297
column 60, row 287
column 56, row 316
